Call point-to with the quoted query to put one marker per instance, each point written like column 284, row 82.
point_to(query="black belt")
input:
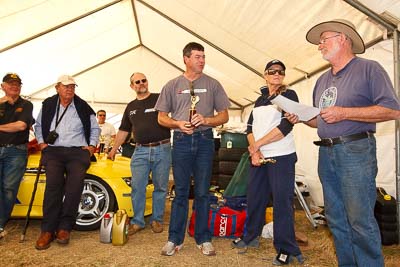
column 342, row 139
column 152, row 144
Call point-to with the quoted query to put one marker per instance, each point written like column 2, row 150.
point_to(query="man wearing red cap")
column 15, row 121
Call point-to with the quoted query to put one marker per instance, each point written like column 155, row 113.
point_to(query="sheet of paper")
column 304, row 112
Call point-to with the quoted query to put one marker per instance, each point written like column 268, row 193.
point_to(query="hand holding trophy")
column 194, row 99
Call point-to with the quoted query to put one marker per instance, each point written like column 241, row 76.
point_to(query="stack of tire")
column 386, row 216
column 215, row 169
column 232, row 146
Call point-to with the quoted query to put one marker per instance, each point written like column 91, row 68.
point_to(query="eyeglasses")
column 323, row 40
column 273, row 72
column 142, row 80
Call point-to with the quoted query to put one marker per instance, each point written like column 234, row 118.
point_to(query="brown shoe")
column 63, row 237
column 156, row 227
column 134, row 228
column 44, row 240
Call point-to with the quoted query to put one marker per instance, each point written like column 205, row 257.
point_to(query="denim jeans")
column 12, row 167
column 347, row 172
column 156, row 160
column 191, row 155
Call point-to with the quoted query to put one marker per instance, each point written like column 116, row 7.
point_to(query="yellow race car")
column 106, row 188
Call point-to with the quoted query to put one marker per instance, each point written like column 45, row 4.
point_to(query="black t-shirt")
column 141, row 118
column 20, row 111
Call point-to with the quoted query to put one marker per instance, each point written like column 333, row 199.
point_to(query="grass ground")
column 143, row 249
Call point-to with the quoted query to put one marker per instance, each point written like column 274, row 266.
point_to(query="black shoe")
column 239, row 243
column 285, row 259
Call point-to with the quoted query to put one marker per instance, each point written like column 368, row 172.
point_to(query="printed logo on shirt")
column 328, row 98
column 132, row 112
column 149, row 110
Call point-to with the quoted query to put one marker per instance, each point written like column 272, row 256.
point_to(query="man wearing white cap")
column 353, row 95
column 67, row 132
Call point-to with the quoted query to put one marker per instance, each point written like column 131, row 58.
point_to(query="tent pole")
column 364, row 9
column 396, row 82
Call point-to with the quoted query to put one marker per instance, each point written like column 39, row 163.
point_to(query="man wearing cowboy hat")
column 353, row 95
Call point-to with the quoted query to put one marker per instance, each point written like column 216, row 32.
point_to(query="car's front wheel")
column 96, row 200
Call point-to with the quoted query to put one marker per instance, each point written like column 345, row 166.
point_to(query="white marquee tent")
column 101, row 42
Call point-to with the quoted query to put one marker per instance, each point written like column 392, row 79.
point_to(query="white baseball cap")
column 66, row 80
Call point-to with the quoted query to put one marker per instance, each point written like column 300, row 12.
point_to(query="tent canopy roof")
column 103, row 42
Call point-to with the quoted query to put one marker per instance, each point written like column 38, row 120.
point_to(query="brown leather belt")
column 152, row 144
column 342, row 139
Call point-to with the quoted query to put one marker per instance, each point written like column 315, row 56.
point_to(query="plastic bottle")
column 106, row 227
column 120, row 228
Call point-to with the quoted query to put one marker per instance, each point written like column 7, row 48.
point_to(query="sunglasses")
column 273, row 72
column 101, row 115
column 142, row 80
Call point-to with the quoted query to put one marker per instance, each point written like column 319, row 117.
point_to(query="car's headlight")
column 127, row 180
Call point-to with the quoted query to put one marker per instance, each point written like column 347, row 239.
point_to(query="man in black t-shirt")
column 152, row 154
column 15, row 121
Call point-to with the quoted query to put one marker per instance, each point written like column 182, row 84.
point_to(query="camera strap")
column 62, row 115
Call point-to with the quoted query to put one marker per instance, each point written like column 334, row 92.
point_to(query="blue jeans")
column 156, row 160
column 191, row 155
column 12, row 167
column 347, row 172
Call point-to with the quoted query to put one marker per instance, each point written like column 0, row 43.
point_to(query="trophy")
column 267, row 160
column 102, row 144
column 194, row 99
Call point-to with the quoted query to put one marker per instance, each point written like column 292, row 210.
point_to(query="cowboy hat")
column 338, row 25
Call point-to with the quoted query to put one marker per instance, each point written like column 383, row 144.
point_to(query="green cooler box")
column 234, row 140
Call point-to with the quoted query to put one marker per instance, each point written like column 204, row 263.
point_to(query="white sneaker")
column 3, row 233
column 207, row 249
column 170, row 248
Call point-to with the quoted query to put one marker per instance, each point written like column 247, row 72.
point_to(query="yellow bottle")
column 120, row 228
column 268, row 215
